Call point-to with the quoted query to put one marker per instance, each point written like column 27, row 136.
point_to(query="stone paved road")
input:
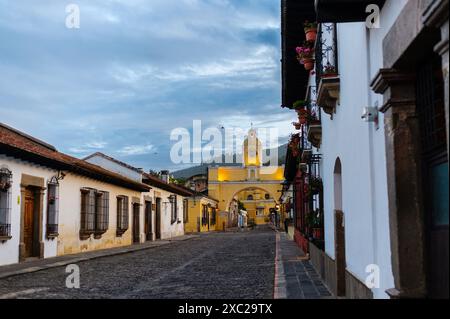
column 218, row 265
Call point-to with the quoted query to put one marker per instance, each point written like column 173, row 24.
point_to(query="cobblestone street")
column 217, row 265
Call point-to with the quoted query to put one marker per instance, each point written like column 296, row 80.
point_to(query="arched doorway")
column 257, row 202
column 339, row 230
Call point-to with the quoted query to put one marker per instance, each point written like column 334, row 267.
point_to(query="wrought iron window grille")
column 5, row 204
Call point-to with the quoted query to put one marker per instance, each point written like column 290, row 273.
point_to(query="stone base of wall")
column 355, row 289
column 326, row 268
column 324, row 265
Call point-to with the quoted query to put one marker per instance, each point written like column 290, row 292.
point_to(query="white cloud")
column 137, row 150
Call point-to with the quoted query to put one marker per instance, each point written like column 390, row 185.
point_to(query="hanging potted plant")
column 329, row 71
column 299, row 106
column 294, row 145
column 303, row 116
column 297, row 125
column 305, row 55
column 310, row 30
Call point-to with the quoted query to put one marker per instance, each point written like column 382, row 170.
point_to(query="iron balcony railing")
column 5, row 230
column 326, row 50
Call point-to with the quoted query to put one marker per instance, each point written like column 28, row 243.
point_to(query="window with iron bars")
column 5, row 204
column 94, row 213
column 174, row 208
column 122, row 215
column 52, row 208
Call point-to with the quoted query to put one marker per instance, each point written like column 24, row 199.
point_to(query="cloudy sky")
column 136, row 69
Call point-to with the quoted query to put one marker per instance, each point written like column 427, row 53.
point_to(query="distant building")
column 256, row 186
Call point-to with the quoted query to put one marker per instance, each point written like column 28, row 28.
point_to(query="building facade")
column 159, row 212
column 52, row 204
column 201, row 214
column 368, row 164
column 254, row 185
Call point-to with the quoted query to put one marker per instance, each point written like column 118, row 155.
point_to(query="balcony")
column 315, row 134
column 328, row 94
column 327, row 68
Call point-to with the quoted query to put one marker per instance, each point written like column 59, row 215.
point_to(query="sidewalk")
column 295, row 277
column 42, row 264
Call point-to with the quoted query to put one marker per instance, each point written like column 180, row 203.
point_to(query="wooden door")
column 340, row 252
column 148, row 221
column 431, row 110
column 158, row 219
column 136, row 224
column 28, row 227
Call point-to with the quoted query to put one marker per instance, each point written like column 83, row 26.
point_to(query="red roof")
column 20, row 145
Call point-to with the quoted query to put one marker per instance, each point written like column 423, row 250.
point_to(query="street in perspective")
column 253, row 153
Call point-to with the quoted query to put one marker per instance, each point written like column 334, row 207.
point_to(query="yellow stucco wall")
column 226, row 183
column 195, row 213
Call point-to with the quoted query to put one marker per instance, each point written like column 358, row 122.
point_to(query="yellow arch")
column 243, row 189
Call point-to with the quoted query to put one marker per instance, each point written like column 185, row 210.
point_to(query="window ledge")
column 85, row 235
column 5, row 238
column 329, row 93
column 52, row 236
column 120, row 232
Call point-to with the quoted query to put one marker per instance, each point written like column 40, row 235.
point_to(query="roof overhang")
column 344, row 10
column 294, row 76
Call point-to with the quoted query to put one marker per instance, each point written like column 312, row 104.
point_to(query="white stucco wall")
column 361, row 149
column 9, row 250
column 69, row 241
column 168, row 230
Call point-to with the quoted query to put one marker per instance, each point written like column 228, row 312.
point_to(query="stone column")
column 406, row 224
column 436, row 16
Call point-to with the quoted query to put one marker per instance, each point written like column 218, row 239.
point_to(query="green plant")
column 310, row 25
column 329, row 69
column 300, row 104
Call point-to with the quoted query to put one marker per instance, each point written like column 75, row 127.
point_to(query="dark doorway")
column 148, row 221
column 431, row 109
column 158, row 219
column 136, row 215
column 339, row 231
column 31, row 225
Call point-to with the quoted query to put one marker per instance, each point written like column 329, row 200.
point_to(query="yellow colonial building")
column 256, row 186
column 201, row 215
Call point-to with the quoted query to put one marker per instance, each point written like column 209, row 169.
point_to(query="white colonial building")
column 379, row 144
column 162, row 209
column 53, row 204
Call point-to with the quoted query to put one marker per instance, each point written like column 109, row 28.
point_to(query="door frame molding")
column 38, row 185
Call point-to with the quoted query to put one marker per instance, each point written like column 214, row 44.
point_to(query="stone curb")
column 104, row 254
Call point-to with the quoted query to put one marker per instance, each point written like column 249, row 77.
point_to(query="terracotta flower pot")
column 308, row 63
column 311, row 34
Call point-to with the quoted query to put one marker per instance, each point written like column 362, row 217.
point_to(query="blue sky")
column 136, row 69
